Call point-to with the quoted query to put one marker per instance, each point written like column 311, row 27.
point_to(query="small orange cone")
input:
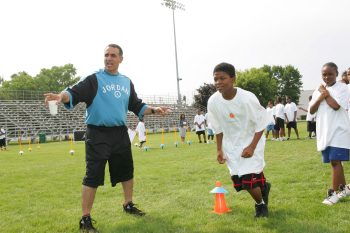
column 220, row 203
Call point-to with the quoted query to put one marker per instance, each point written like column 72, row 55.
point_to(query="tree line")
column 266, row 83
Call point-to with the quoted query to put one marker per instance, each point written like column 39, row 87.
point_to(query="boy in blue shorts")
column 330, row 102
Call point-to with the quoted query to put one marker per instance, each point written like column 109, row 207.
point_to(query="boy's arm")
column 220, row 153
column 249, row 150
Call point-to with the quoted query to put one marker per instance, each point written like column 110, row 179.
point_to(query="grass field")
column 40, row 191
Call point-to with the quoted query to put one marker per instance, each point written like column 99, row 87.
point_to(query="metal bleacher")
column 29, row 117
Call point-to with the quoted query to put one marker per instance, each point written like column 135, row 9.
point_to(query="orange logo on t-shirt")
column 232, row 115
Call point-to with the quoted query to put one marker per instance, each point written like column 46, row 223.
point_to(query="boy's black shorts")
column 110, row 144
column 248, row 181
column 292, row 124
column 200, row 132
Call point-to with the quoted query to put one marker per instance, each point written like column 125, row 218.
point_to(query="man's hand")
column 52, row 96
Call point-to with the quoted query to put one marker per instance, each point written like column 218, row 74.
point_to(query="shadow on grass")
column 289, row 221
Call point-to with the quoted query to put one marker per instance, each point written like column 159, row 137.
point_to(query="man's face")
column 112, row 60
column 223, row 82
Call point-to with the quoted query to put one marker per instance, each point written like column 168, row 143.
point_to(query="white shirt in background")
column 141, row 131
column 279, row 111
column 290, row 110
column 199, row 119
column 333, row 127
column 270, row 113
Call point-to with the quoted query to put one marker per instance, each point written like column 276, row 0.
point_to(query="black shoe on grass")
column 131, row 209
column 265, row 192
column 261, row 211
column 86, row 226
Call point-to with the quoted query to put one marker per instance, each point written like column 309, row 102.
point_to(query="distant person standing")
column 108, row 96
column 183, row 125
column 280, row 118
column 344, row 77
column 271, row 121
column 141, row 132
column 311, row 120
column 330, row 102
column 210, row 130
column 290, row 110
column 199, row 122
column 2, row 138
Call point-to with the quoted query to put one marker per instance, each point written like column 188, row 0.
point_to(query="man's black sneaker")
column 86, row 226
column 261, row 210
column 265, row 192
column 131, row 209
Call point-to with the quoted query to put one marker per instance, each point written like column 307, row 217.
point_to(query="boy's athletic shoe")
column 344, row 191
column 261, row 211
column 86, row 226
column 332, row 197
column 131, row 209
column 265, row 192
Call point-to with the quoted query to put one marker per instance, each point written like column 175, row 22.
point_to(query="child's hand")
column 247, row 152
column 220, row 157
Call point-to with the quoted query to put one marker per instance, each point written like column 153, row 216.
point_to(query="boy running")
column 239, row 122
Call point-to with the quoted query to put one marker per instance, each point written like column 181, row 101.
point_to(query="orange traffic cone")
column 220, row 203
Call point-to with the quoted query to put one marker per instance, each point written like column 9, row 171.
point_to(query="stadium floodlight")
column 174, row 5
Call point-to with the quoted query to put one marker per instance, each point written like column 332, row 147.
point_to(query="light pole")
column 173, row 5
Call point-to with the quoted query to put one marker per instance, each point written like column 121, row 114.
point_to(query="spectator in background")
column 290, row 110
column 210, row 130
column 311, row 120
column 141, row 132
column 183, row 125
column 271, row 120
column 344, row 77
column 279, row 118
column 2, row 138
column 199, row 122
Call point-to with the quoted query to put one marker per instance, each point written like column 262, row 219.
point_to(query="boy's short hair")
column 227, row 68
column 332, row 65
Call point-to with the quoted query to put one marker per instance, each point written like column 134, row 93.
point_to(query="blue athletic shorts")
column 335, row 153
column 210, row 131
column 270, row 127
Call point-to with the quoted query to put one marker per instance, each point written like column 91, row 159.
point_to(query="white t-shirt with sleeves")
column 290, row 110
column 239, row 119
column 333, row 126
column 279, row 111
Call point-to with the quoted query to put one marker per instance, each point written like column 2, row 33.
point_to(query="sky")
column 37, row 34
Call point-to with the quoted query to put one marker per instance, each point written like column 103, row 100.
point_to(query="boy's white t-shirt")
column 270, row 113
column 208, row 122
column 199, row 119
column 290, row 109
column 333, row 126
column 309, row 116
column 279, row 111
column 141, row 131
column 239, row 119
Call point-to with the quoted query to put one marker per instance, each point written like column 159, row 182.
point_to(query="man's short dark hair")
column 227, row 68
column 118, row 47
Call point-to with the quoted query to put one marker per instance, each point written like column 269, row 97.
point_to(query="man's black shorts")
column 110, row 144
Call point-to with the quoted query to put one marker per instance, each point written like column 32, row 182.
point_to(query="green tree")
column 204, row 92
column 19, row 81
column 288, row 80
column 56, row 78
column 259, row 82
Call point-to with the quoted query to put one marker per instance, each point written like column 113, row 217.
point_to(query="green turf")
column 40, row 191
